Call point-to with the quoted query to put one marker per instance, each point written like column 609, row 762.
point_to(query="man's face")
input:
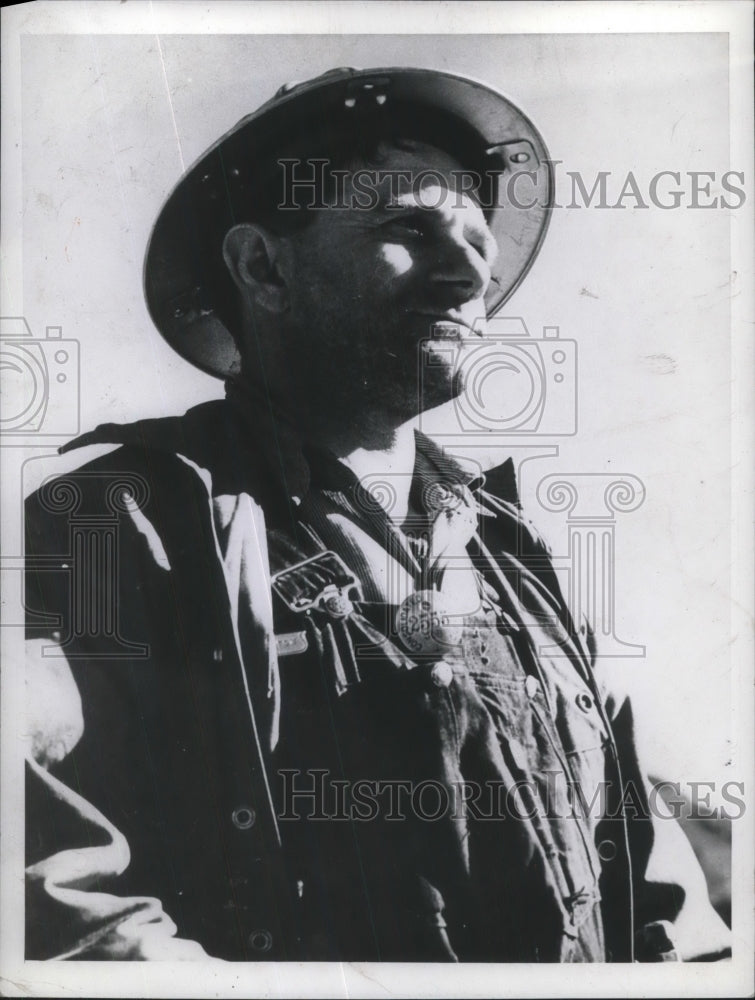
column 369, row 284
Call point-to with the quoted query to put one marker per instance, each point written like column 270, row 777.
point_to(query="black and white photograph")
column 376, row 452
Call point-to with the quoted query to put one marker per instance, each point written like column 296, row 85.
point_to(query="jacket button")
column 584, row 701
column 217, row 655
column 261, row 940
column 243, row 818
column 606, row 850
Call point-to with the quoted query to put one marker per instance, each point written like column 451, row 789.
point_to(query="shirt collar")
column 249, row 446
column 432, row 464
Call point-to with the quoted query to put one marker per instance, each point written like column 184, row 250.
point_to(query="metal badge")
column 323, row 582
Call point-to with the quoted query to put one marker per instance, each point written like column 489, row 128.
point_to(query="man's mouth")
column 441, row 328
column 450, row 328
column 446, row 330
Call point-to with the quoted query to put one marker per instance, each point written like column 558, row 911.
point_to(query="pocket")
column 579, row 720
column 584, row 738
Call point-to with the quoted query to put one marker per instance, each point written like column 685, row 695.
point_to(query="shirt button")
column 531, row 685
column 243, row 818
column 442, row 674
column 261, row 940
column 584, row 701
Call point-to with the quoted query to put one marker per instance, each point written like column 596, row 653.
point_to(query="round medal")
column 426, row 626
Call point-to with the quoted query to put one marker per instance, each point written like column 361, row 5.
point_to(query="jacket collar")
column 247, row 446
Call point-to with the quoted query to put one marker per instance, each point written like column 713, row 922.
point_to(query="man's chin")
column 439, row 387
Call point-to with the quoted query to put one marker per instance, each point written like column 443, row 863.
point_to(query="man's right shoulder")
column 125, row 473
column 161, row 457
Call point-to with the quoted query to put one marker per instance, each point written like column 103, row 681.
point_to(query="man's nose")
column 461, row 268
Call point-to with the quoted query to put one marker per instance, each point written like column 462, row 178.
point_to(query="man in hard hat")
column 318, row 692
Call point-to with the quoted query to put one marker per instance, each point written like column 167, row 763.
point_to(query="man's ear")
column 252, row 255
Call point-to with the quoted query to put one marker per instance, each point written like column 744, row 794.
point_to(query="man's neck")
column 392, row 466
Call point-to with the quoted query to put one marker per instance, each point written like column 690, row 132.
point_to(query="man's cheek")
column 396, row 259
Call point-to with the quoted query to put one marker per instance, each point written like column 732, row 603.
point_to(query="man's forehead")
column 405, row 172
column 396, row 153
column 417, row 160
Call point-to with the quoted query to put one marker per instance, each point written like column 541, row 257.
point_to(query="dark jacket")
column 171, row 793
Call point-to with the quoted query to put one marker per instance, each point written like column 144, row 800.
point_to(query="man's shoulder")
column 203, row 448
column 199, row 435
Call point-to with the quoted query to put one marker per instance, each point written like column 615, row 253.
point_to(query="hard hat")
column 190, row 294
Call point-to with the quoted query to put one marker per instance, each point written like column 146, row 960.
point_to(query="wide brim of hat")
column 187, row 287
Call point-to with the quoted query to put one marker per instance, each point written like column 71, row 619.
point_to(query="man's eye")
column 413, row 225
